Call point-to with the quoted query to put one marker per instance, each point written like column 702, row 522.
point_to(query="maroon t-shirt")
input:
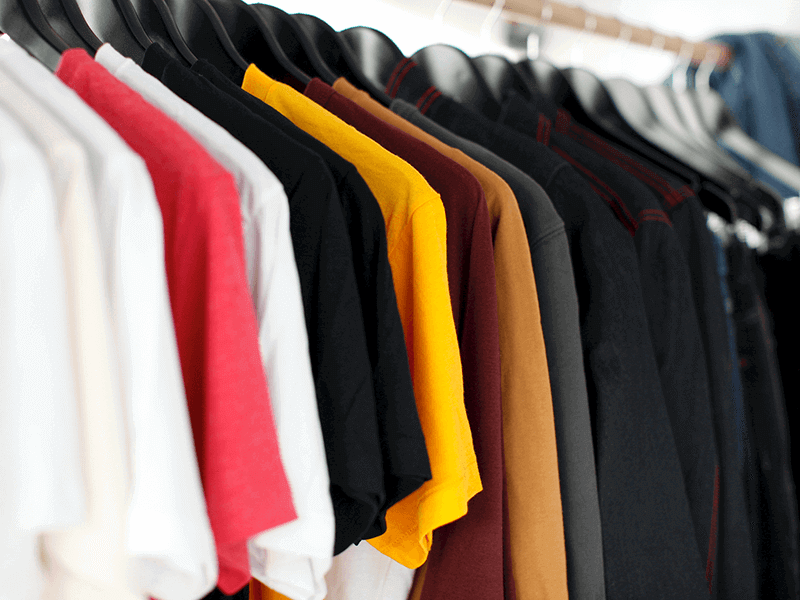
column 466, row 560
column 245, row 485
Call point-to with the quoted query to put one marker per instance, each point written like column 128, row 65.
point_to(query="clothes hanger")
column 501, row 77
column 296, row 43
column 45, row 47
column 632, row 104
column 664, row 103
column 720, row 124
column 377, row 55
column 452, row 71
column 115, row 22
column 255, row 41
column 57, row 19
column 338, row 56
column 75, row 17
column 204, row 33
column 160, row 26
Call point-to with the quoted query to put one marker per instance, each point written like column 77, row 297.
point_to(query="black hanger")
column 204, row 33
column 57, row 19
column 633, row 105
column 79, row 24
column 115, row 22
column 255, row 40
column 501, row 76
column 665, row 103
column 377, row 55
column 719, row 123
column 296, row 43
column 160, row 26
column 15, row 22
column 452, row 71
column 339, row 57
column 582, row 94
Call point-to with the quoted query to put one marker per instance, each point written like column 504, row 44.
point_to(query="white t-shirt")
column 362, row 573
column 291, row 559
column 41, row 479
column 88, row 560
column 169, row 539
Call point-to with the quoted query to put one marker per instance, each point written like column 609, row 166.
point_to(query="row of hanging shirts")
column 678, row 132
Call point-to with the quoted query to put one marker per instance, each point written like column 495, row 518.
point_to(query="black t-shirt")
column 636, row 452
column 674, row 331
column 405, row 457
column 337, row 342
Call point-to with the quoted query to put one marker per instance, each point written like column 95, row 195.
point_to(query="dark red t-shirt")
column 467, row 555
column 245, row 486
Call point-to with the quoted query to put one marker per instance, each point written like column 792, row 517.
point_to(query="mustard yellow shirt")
column 416, row 235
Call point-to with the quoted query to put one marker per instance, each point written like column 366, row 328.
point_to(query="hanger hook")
column 589, row 22
column 683, row 61
column 492, row 18
column 441, row 10
column 702, row 78
column 658, row 42
column 547, row 13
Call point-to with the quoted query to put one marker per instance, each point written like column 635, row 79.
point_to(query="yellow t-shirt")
column 538, row 553
column 416, row 235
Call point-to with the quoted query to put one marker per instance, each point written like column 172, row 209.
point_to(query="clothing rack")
column 555, row 13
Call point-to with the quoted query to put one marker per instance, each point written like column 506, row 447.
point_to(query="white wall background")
column 411, row 24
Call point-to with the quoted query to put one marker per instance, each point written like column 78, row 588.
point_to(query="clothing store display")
column 416, row 229
column 287, row 315
column 198, row 198
column 297, row 552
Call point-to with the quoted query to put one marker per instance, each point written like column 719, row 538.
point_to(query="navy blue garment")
column 774, row 502
column 778, row 271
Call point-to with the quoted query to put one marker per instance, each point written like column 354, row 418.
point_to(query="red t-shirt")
column 466, row 559
column 244, row 482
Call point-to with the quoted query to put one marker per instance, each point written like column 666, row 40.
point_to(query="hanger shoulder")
column 377, row 55
column 452, row 71
column 338, row 55
column 206, row 36
column 14, row 21
column 501, row 77
column 296, row 43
